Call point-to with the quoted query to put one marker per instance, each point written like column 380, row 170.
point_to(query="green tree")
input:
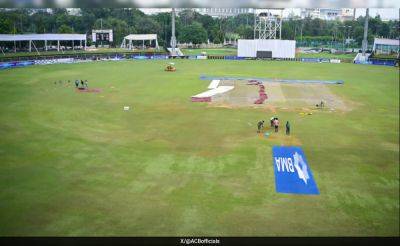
column 216, row 34
column 245, row 32
column 148, row 25
column 164, row 22
column 65, row 29
column 187, row 16
column 194, row 33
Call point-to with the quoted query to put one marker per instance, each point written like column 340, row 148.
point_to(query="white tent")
column 44, row 37
column 139, row 37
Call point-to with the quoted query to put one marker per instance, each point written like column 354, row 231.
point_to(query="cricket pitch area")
column 283, row 96
column 139, row 158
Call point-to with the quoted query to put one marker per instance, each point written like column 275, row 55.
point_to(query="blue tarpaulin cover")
column 292, row 173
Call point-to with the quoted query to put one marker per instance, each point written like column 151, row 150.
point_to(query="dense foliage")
column 190, row 26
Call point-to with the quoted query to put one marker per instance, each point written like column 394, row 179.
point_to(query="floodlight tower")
column 365, row 39
column 267, row 25
column 173, row 38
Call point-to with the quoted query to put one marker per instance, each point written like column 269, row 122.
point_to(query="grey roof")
column 46, row 36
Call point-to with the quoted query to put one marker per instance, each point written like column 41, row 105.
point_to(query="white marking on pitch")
column 214, row 84
column 213, row 92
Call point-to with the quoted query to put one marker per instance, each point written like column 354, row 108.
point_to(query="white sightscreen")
column 279, row 48
column 247, row 48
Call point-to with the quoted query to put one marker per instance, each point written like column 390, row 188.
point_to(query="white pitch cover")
column 213, row 92
column 214, row 84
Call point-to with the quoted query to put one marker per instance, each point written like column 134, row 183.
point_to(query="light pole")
column 301, row 31
column 295, row 20
column 173, row 38
column 15, row 43
column 348, row 34
column 365, row 38
column 334, row 37
column 344, row 35
column 101, row 28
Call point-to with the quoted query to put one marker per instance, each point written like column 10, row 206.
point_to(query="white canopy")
column 42, row 37
column 138, row 37
column 141, row 37
column 385, row 45
column 386, row 41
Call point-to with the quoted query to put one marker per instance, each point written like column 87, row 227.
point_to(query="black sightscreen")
column 264, row 54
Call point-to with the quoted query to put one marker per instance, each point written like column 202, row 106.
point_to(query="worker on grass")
column 287, row 128
column 272, row 121
column 260, row 126
column 276, row 124
column 76, row 83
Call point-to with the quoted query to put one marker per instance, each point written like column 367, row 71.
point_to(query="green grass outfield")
column 213, row 51
column 77, row 164
column 326, row 55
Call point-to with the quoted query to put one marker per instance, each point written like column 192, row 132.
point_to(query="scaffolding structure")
column 267, row 25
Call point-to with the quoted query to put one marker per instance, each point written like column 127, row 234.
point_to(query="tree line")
column 190, row 25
